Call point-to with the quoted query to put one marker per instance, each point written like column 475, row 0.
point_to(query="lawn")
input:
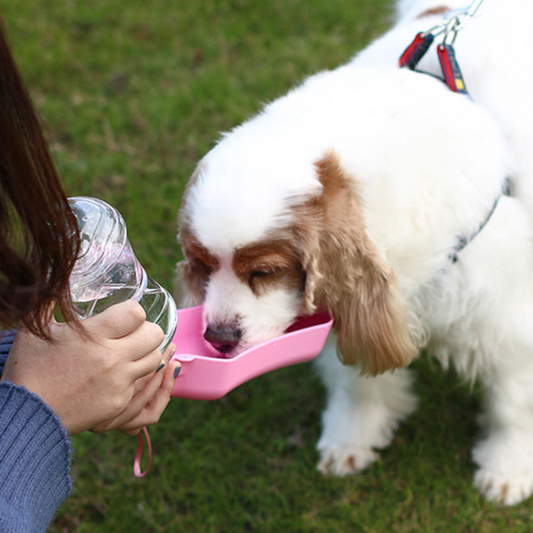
column 133, row 94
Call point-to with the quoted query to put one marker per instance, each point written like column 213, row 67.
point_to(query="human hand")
column 148, row 404
column 88, row 380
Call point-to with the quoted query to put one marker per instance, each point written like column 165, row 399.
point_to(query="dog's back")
column 493, row 53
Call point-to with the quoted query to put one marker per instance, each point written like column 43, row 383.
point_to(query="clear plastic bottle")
column 107, row 272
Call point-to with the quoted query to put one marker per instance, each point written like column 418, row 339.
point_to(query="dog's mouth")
column 226, row 351
column 228, row 341
column 224, row 340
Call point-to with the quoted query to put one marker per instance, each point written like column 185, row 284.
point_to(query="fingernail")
column 177, row 372
column 162, row 365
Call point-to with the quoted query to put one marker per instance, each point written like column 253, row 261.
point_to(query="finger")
column 118, row 320
column 152, row 362
column 146, row 408
column 134, row 408
column 131, row 432
column 167, row 355
column 152, row 412
column 139, row 351
column 141, row 401
column 145, row 339
column 143, row 381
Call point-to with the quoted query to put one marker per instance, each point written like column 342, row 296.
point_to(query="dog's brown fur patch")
column 347, row 276
column 434, row 11
column 267, row 263
column 198, row 264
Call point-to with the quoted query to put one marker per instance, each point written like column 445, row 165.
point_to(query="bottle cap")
column 103, row 237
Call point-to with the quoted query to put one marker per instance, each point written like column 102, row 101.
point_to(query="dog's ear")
column 192, row 273
column 347, row 276
column 189, row 287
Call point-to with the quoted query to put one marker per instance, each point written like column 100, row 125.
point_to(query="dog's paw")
column 505, row 467
column 345, row 460
column 505, row 490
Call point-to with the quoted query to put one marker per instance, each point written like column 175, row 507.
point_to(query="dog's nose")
column 222, row 337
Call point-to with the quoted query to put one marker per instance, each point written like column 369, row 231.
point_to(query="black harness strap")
column 463, row 240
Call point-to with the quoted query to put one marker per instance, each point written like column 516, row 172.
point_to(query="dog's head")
column 307, row 206
column 258, row 262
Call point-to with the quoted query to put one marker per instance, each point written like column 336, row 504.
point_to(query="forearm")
column 34, row 461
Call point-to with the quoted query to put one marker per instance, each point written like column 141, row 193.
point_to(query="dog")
column 402, row 208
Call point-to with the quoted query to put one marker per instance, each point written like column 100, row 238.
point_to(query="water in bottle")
column 107, row 272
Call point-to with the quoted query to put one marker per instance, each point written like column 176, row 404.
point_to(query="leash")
column 454, row 21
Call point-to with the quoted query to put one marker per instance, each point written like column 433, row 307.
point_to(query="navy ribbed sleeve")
column 6, row 340
column 34, row 461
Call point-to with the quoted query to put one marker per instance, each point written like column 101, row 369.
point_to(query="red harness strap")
column 446, row 54
column 450, row 69
column 416, row 50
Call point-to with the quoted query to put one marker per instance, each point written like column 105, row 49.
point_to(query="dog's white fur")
column 368, row 175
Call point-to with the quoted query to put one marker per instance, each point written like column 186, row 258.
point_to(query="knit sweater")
column 34, row 457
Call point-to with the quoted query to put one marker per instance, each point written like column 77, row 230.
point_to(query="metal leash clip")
column 460, row 17
column 454, row 21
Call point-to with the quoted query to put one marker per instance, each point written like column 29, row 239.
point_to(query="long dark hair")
column 38, row 233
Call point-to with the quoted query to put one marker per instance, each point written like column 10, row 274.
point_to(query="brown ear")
column 191, row 273
column 347, row 276
column 189, row 287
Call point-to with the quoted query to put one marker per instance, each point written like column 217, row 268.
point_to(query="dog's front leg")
column 361, row 413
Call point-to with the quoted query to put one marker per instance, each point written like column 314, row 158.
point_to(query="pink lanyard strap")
column 140, row 448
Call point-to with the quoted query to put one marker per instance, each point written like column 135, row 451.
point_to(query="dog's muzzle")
column 223, row 338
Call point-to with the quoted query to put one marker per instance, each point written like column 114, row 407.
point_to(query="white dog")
column 378, row 194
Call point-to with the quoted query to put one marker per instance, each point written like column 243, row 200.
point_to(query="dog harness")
column 453, row 22
column 464, row 240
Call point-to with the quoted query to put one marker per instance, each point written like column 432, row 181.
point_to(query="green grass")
column 133, row 94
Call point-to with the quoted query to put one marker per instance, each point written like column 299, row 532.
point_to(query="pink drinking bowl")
column 203, row 377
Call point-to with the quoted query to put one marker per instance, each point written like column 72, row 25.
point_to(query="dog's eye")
column 260, row 274
column 260, row 277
